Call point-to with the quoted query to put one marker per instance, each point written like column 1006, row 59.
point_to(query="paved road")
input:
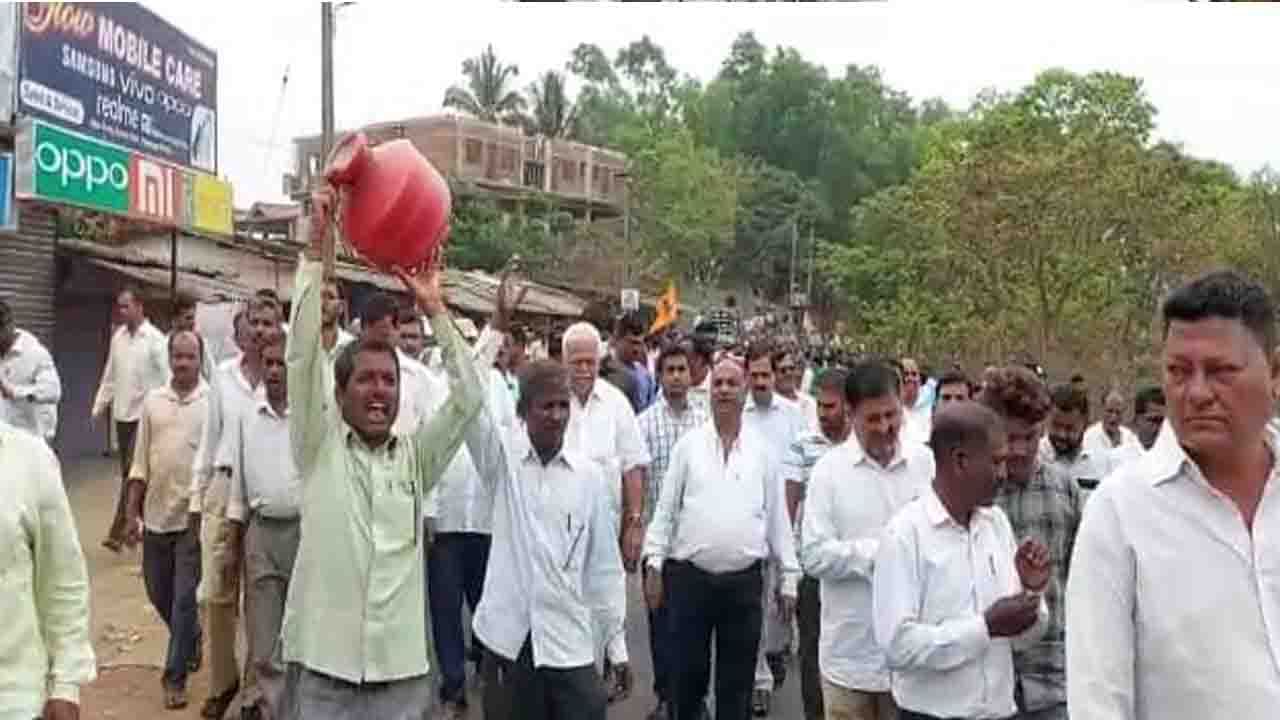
column 786, row 704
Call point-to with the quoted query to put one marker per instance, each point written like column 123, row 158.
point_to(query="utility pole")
column 792, row 288
column 326, row 79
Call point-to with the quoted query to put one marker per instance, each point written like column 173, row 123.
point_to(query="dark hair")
column 184, row 303
column 555, row 345
column 871, row 379
column 377, row 307
column 519, row 335
column 1149, row 395
column 241, row 316
column 406, row 315
column 668, row 351
column 134, row 292
column 1069, row 398
column 832, row 379
column 1224, row 294
column 954, row 377
column 199, row 343
column 6, row 312
column 703, row 347
column 260, row 302
column 761, row 349
column 537, row 379
column 963, row 425
column 630, row 325
column 1016, row 393
column 1077, row 378
column 345, row 365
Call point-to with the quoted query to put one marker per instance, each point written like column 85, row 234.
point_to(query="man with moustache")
column 1173, row 604
column 1063, row 447
column 264, row 503
column 670, row 417
column 856, row 489
column 354, row 634
column 721, row 515
column 954, row 593
column 1041, row 502
column 555, row 573
column 806, row 451
column 231, row 395
column 158, row 506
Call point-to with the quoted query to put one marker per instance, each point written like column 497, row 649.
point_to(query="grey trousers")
column 270, row 546
column 312, row 696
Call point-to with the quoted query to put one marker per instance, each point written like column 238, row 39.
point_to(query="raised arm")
column 305, row 357
column 61, row 586
column 823, row 553
column 436, row 440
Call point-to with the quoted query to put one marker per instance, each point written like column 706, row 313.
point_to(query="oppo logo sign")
column 74, row 167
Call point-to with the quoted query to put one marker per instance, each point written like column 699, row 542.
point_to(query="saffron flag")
column 668, row 309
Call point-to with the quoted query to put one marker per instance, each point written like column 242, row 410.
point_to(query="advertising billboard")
column 119, row 73
column 58, row 166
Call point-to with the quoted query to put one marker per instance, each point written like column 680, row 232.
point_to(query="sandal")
column 216, row 706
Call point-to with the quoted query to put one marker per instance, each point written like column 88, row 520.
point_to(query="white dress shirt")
column 231, row 395
column 555, row 573
column 1099, row 446
column 808, row 407
column 264, row 479
column 168, row 436
column 45, row 650
column 136, row 363
column 933, row 582
column 1173, row 606
column 917, row 424
column 420, row 395
column 28, row 369
column 605, row 431
column 779, row 423
column 722, row 514
column 851, row 498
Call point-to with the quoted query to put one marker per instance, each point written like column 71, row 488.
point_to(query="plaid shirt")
column 1047, row 508
column 661, row 428
column 797, row 465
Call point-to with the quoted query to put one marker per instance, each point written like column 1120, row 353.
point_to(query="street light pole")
column 326, row 79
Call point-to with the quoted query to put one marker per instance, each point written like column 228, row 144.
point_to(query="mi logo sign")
column 158, row 191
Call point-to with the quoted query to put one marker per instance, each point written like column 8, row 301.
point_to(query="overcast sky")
column 1212, row 70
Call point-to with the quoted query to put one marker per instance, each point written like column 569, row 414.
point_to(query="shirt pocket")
column 397, row 517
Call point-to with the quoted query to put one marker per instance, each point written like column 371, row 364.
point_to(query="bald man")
column 722, row 514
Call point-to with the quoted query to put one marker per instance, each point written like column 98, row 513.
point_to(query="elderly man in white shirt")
column 604, row 429
column 137, row 362
column 232, row 395
column 46, row 654
column 555, row 574
column 953, row 592
column 1109, row 439
column 29, row 384
column 855, row 490
column 721, row 515
column 264, row 503
column 1173, row 604
column 158, row 508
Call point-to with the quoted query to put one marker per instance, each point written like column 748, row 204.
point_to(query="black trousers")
column 171, row 572
column 809, row 621
column 516, row 690
column 728, row 606
column 456, row 565
column 660, row 649
column 908, row 715
column 126, row 434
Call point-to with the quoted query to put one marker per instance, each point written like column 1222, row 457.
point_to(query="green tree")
column 488, row 94
column 551, row 109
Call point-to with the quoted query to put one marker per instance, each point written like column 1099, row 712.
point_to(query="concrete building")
column 495, row 160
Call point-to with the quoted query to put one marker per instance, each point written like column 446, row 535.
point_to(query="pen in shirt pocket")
column 991, row 559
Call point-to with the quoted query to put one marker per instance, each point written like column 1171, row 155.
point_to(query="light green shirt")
column 45, row 650
column 356, row 609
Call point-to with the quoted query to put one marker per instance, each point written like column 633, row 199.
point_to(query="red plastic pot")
column 394, row 206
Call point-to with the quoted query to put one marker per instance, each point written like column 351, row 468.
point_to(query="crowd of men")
column 929, row 547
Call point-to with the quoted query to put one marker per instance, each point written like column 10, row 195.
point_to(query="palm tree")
column 552, row 111
column 487, row 95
